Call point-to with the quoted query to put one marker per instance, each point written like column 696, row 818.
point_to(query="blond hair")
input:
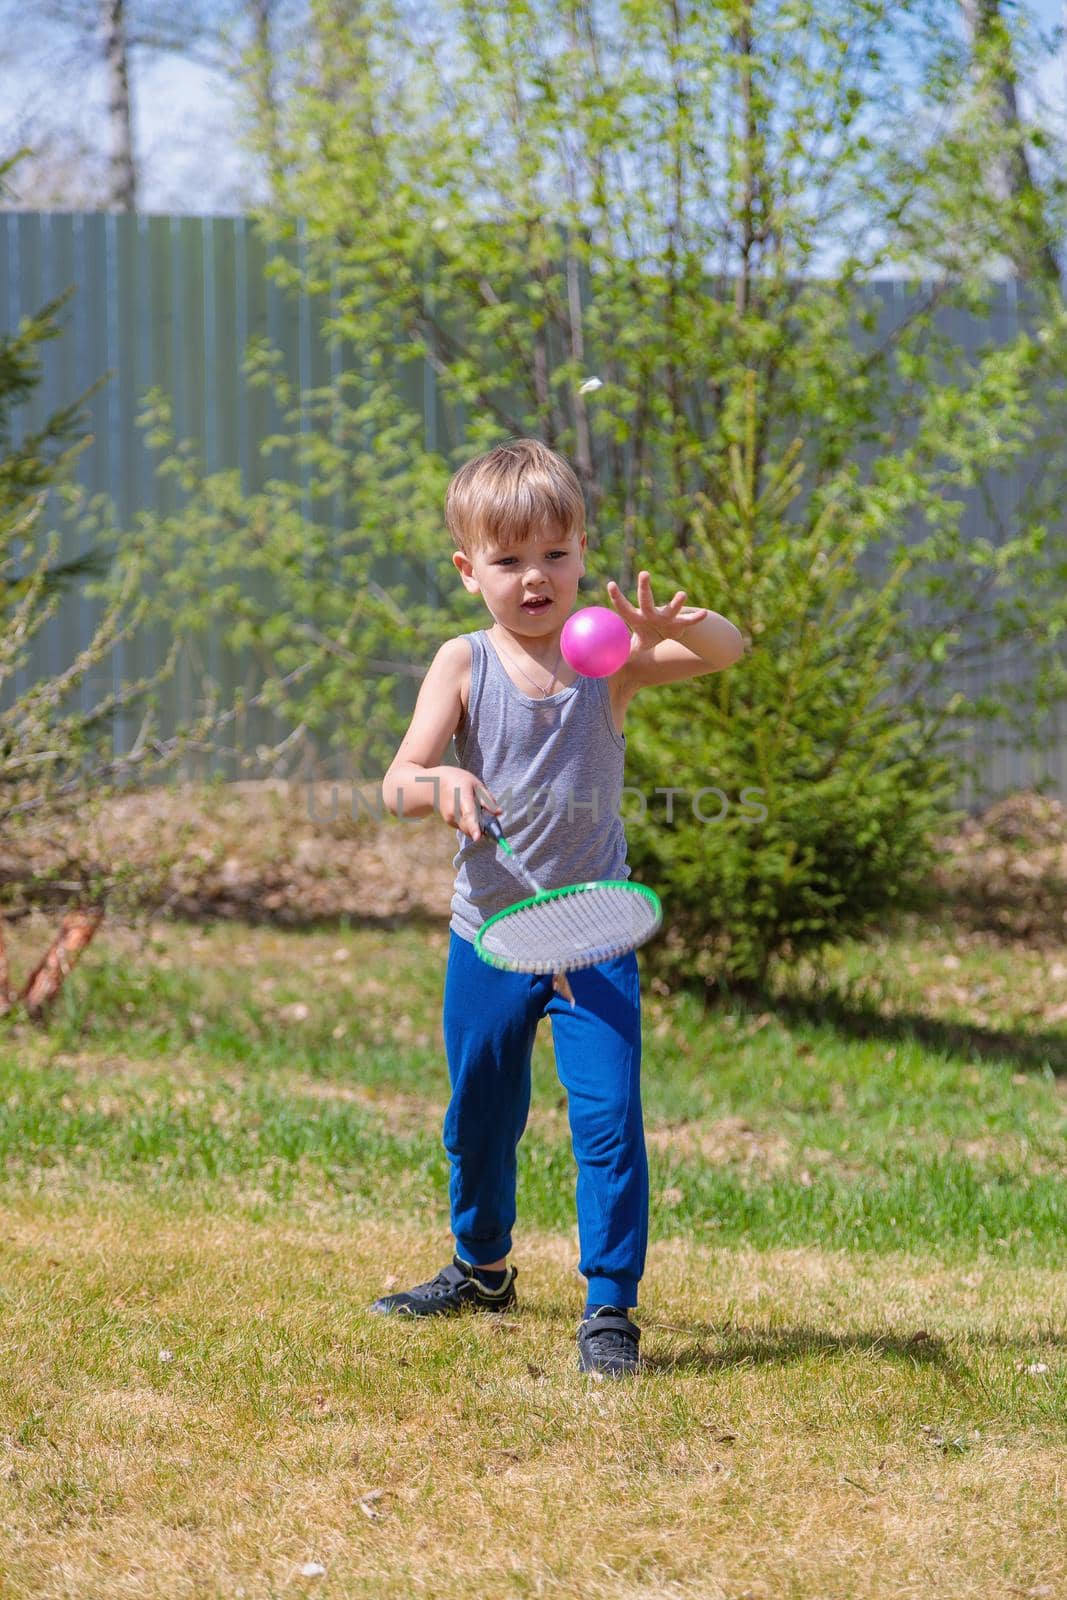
column 500, row 497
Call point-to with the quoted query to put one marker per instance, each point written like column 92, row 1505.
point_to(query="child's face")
column 508, row 576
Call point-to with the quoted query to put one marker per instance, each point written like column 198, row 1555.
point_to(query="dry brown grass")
column 808, row 1424
column 293, row 853
column 287, row 852
column 1005, row 871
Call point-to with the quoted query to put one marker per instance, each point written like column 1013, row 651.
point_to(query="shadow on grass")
column 855, row 1018
column 288, row 920
column 237, row 913
column 719, row 1348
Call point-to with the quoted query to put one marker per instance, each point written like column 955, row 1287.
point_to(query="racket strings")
column 589, row 924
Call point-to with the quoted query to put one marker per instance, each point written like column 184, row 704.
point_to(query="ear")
column 463, row 566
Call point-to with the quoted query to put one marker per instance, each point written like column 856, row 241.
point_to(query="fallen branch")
column 46, row 979
column 6, row 997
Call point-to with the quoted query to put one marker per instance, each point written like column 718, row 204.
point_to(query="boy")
column 522, row 720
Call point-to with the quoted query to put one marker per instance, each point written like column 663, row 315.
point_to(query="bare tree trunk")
column 123, row 184
column 1011, row 178
column 753, row 163
column 675, row 236
column 265, row 90
column 583, row 450
column 743, row 46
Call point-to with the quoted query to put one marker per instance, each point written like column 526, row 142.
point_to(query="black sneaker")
column 455, row 1289
column 607, row 1343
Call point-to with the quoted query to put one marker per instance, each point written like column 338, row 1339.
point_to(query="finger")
column 469, row 819
column 619, row 600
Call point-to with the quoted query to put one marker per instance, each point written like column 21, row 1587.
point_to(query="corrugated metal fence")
column 173, row 302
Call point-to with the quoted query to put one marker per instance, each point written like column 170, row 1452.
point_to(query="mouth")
column 533, row 607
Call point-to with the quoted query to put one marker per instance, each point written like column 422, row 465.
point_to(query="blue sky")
column 186, row 119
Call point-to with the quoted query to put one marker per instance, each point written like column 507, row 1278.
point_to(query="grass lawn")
column 227, row 1142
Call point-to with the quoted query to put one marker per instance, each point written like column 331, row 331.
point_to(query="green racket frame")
column 545, row 895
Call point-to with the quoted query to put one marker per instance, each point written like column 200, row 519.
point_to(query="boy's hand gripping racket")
column 566, row 928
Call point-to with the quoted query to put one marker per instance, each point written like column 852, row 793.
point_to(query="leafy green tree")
column 640, row 231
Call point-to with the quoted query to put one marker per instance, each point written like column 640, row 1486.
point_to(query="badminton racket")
column 557, row 930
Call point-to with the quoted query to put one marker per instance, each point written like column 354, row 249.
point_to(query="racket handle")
column 491, row 825
column 495, row 831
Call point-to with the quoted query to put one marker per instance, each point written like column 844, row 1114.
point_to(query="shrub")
column 831, row 788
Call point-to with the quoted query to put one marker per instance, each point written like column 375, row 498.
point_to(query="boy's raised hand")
column 650, row 622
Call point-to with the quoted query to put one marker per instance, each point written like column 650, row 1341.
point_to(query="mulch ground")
column 295, row 853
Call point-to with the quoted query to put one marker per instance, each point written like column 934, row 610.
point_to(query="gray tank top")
column 555, row 766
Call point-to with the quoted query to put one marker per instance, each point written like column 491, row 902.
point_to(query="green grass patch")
column 303, row 1076
column 227, row 1143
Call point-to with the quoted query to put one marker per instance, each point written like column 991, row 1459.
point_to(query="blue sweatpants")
column 490, row 1018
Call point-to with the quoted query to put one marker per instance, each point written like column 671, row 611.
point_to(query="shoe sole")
column 604, row 1372
column 468, row 1308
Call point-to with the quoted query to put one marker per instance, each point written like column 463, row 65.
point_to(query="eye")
column 502, row 561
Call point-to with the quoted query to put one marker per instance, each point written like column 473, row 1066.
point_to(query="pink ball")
column 595, row 641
